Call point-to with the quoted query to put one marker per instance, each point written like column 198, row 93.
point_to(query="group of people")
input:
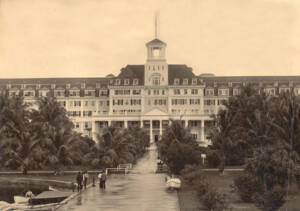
column 82, row 179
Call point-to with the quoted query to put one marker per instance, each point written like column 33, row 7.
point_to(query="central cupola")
column 156, row 67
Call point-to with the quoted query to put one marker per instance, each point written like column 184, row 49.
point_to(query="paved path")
column 142, row 190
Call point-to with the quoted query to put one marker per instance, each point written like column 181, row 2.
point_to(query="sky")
column 93, row 38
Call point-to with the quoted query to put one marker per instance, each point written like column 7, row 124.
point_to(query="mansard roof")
column 132, row 72
column 251, row 78
column 46, row 82
column 181, row 72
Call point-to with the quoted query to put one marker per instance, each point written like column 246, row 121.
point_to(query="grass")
column 189, row 201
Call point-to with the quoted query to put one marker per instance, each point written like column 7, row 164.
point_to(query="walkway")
column 141, row 190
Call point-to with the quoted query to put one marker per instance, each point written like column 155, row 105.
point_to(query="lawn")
column 189, row 201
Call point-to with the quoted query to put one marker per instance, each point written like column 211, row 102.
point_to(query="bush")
column 212, row 159
column 191, row 173
column 246, row 186
column 213, row 200
column 270, row 200
column 202, row 187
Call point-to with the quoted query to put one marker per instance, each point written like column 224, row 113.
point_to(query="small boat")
column 21, row 199
column 173, row 183
column 48, row 197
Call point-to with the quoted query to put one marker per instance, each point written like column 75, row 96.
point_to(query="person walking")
column 103, row 178
column 79, row 181
column 100, row 180
column 85, row 178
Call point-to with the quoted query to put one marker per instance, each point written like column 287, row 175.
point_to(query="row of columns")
column 94, row 130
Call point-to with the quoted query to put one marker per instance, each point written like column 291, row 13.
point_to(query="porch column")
column 186, row 123
column 151, row 136
column 94, row 131
column 202, row 130
column 109, row 123
column 125, row 124
column 160, row 128
column 142, row 124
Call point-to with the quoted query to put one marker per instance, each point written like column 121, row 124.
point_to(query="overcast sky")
column 92, row 38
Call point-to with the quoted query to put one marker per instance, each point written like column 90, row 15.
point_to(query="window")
column 194, row 81
column 155, row 92
column 176, row 81
column 136, row 92
column 223, row 92
column 194, row 91
column 209, row 102
column 194, row 101
column 52, row 86
column 209, row 92
column 149, row 91
column 77, row 125
column 176, row 91
column 118, row 82
column 29, row 93
column 236, row 91
column 8, row 86
column 185, row 81
column 135, row 81
column 126, row 82
column 82, row 85
column 74, row 93
column 270, row 91
column 285, row 89
column 68, row 86
column 156, row 81
column 77, row 103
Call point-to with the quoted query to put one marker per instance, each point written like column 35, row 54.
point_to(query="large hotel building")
column 147, row 95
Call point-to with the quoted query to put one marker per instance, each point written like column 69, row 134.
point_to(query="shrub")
column 212, row 159
column 213, row 200
column 191, row 173
column 246, row 186
column 202, row 187
column 270, row 200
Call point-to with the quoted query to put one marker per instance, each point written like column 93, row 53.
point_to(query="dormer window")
column 23, row 86
column 185, row 81
column 68, row 86
column 126, row 82
column 8, row 86
column 38, row 86
column 118, row 82
column 135, row 81
column 194, row 81
column 176, row 81
column 82, row 85
column 52, row 86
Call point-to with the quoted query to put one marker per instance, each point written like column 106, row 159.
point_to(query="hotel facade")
column 147, row 95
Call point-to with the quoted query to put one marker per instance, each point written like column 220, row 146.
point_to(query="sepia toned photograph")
column 158, row 105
